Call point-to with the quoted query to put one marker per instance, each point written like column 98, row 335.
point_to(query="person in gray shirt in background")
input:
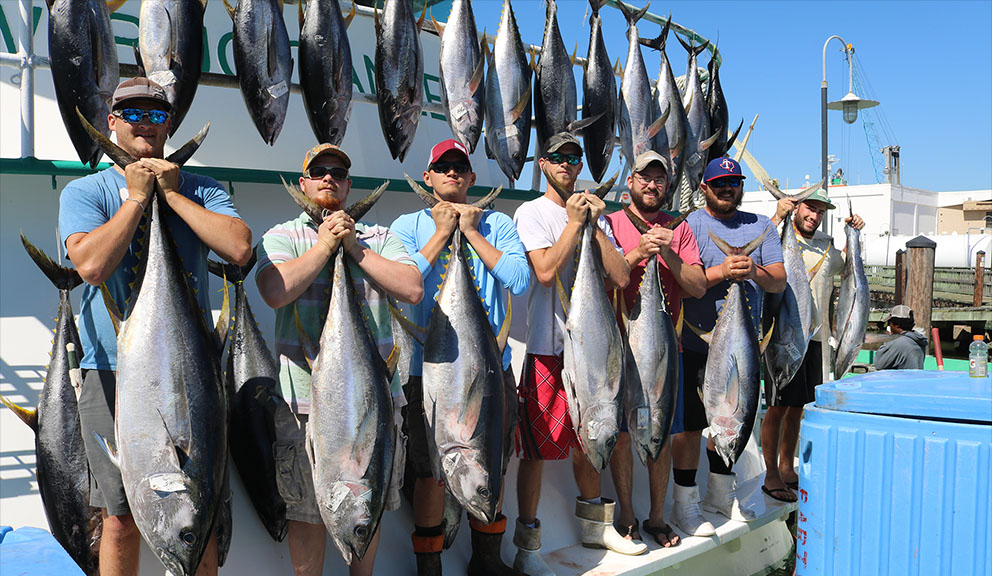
column 906, row 352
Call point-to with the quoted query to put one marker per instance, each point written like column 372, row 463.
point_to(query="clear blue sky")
column 928, row 63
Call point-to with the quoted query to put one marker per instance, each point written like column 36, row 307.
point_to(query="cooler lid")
column 925, row 394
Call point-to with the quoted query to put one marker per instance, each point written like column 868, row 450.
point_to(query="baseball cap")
column 139, row 88
column 559, row 140
column 720, row 167
column 645, row 159
column 821, row 196
column 325, row 150
column 448, row 145
column 900, row 311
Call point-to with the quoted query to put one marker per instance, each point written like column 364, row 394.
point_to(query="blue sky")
column 928, row 63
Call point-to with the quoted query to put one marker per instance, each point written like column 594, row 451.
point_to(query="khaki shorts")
column 294, row 476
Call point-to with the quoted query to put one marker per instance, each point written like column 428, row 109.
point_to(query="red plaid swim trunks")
column 545, row 431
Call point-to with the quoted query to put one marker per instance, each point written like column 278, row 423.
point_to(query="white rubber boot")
column 688, row 517
column 721, row 498
column 528, row 543
column 596, row 523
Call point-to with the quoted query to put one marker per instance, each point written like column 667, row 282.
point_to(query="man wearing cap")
column 294, row 275
column 681, row 270
column 98, row 219
column 500, row 268
column 549, row 227
column 906, row 352
column 780, row 427
column 762, row 270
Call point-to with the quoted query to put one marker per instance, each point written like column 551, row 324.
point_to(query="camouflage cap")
column 325, row 150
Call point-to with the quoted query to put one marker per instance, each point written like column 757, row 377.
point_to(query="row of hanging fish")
column 479, row 87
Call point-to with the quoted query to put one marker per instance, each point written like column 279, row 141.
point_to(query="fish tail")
column 596, row 5
column 631, row 14
column 63, row 278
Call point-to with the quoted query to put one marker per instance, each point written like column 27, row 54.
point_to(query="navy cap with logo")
column 720, row 167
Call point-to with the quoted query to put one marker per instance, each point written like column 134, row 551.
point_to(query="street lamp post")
column 850, row 104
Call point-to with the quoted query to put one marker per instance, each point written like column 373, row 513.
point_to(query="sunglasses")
column 726, row 183
column 318, row 172
column 558, row 158
column 445, row 167
column 135, row 115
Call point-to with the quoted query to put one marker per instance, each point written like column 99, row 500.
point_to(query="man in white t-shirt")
column 549, row 228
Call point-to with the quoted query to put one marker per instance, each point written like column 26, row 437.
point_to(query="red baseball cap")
column 448, row 145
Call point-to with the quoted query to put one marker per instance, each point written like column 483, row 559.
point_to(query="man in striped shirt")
column 294, row 277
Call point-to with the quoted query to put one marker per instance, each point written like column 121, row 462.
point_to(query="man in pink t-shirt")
column 681, row 271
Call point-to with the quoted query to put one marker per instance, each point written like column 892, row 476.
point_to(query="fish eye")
column 483, row 492
column 188, row 537
column 361, row 531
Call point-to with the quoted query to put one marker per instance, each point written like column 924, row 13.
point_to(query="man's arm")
column 282, row 283
column 97, row 253
column 229, row 237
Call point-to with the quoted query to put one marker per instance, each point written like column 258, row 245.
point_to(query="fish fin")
column 699, row 392
column 484, row 47
column 733, row 385
column 733, row 137
column 116, row 318
column 272, row 51
column 423, row 14
column 618, row 70
column 416, row 332
column 222, row 328
column 687, row 103
column 488, row 199
column 659, row 41
column 580, row 125
column 504, row 330
column 533, row 59
column 562, row 297
column 636, row 220
column 605, row 187
column 114, row 5
column 704, row 336
column 479, row 75
column 753, row 244
column 139, row 62
column 392, row 360
column 360, row 208
column 722, row 244
column 518, row 110
column 768, row 338
column 186, row 151
column 624, row 312
column 63, row 278
column 350, row 16
column 28, row 416
column 575, row 53
column 816, row 267
column 424, row 195
column 659, row 124
column 679, row 325
column 705, row 144
column 308, row 205
column 299, row 12
column 111, row 452
column 230, row 9
column 309, row 351
column 181, row 455
column 438, row 27
column 115, row 152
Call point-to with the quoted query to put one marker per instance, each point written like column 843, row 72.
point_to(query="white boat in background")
column 37, row 160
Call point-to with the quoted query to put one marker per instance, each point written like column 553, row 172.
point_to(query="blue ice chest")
column 895, row 473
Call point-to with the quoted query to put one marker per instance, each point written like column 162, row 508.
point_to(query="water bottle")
column 978, row 358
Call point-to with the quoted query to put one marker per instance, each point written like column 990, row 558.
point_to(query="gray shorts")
column 294, row 475
column 96, row 416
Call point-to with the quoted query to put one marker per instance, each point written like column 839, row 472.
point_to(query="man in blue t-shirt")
column 499, row 265
column 763, row 270
column 99, row 218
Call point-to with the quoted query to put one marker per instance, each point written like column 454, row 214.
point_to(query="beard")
column 724, row 207
column 646, row 205
column 327, row 201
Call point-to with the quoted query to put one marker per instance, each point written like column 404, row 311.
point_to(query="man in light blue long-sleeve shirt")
column 499, row 265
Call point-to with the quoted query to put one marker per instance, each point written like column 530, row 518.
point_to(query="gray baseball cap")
column 645, row 159
column 560, row 139
column 139, row 88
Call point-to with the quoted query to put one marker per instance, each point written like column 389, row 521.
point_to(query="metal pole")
column 823, row 123
column 25, row 48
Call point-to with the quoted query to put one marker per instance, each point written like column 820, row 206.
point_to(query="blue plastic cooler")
column 895, row 475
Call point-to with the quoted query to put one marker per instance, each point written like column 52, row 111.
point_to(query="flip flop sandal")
column 630, row 530
column 780, row 491
column 665, row 530
column 794, row 484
